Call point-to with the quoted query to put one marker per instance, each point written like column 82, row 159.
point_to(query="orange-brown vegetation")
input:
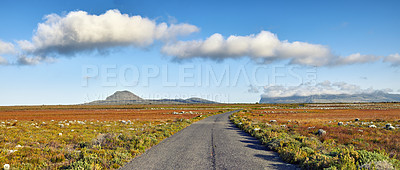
column 327, row 115
column 108, row 113
column 307, row 120
column 86, row 136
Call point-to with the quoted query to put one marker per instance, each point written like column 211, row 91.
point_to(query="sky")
column 71, row 52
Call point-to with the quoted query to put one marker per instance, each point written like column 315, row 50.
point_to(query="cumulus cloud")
column 9, row 48
column 6, row 48
column 29, row 60
column 264, row 47
column 24, row 60
column 322, row 88
column 79, row 31
column 358, row 58
column 394, row 59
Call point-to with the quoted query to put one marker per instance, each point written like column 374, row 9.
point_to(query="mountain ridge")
column 126, row 97
column 378, row 96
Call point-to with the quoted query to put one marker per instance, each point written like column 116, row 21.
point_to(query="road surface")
column 212, row 143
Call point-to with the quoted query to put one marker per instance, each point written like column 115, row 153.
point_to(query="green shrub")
column 366, row 157
column 318, row 161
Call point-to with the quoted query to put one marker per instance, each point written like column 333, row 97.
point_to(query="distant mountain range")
column 378, row 96
column 127, row 97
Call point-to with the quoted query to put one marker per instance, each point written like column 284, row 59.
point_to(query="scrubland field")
column 335, row 136
column 88, row 137
column 314, row 136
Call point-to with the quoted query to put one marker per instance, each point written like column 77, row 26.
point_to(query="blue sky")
column 342, row 47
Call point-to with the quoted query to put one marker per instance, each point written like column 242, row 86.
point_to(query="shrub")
column 57, row 158
column 366, row 157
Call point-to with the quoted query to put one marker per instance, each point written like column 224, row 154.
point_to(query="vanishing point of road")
column 212, row 143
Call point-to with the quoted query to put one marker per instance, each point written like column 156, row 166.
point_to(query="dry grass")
column 307, row 120
column 88, row 137
column 132, row 112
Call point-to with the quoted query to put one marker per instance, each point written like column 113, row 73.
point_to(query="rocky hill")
column 123, row 95
column 127, row 97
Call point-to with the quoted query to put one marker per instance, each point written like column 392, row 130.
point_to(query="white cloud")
column 24, row 60
column 394, row 59
column 167, row 33
column 79, row 31
column 358, row 58
column 6, row 48
column 322, row 88
column 3, row 61
column 264, row 47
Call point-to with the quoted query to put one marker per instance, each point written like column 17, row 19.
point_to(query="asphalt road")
column 212, row 143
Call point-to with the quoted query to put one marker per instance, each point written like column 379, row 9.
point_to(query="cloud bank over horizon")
column 323, row 88
column 79, row 31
